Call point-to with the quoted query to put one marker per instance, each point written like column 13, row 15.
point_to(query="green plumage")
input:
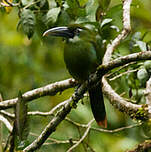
column 82, row 55
column 80, row 59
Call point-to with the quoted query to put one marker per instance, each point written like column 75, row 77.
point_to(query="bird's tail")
column 97, row 105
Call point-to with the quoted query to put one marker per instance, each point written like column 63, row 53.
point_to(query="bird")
column 82, row 54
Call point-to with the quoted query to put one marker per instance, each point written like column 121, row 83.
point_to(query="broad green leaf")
column 21, row 121
column 91, row 9
column 63, row 18
column 27, row 22
column 40, row 24
column 104, row 4
column 52, row 15
column 116, row 14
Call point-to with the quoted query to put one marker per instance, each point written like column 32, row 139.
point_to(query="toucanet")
column 82, row 54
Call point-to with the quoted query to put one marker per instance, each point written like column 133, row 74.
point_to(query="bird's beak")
column 60, row 32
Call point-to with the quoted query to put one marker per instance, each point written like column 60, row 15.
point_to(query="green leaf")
column 21, row 121
column 63, row 18
column 146, row 128
column 91, row 10
column 115, row 27
column 136, row 36
column 26, row 2
column 74, row 9
column 116, row 14
column 106, row 21
column 142, row 45
column 27, row 22
column 104, row 4
column 147, row 65
column 52, row 15
column 142, row 75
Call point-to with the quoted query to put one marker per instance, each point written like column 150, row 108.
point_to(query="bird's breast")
column 80, row 59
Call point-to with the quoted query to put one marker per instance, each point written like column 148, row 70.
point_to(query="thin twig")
column 104, row 130
column 56, row 141
column 120, row 68
column 6, row 123
column 37, row 113
column 32, row 3
column 83, row 137
column 122, row 74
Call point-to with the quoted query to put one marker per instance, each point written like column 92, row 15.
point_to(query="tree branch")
column 7, row 123
column 143, row 147
column 123, row 34
column 83, row 137
column 148, row 94
column 113, row 97
column 101, row 129
column 50, row 89
column 56, row 87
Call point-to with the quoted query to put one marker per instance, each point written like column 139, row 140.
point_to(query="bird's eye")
column 77, row 31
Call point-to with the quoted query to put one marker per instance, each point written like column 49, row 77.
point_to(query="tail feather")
column 97, row 105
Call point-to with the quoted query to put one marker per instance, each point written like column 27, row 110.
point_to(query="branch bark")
column 143, row 147
column 113, row 97
column 50, row 90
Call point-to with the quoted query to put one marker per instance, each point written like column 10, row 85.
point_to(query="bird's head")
column 70, row 32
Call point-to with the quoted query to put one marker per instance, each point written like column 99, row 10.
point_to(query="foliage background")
column 26, row 64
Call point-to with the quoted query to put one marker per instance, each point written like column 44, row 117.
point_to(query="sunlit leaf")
column 142, row 75
column 115, row 27
column 147, row 65
column 136, row 36
column 106, row 21
column 26, row 2
column 52, row 15
column 91, row 9
column 142, row 45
